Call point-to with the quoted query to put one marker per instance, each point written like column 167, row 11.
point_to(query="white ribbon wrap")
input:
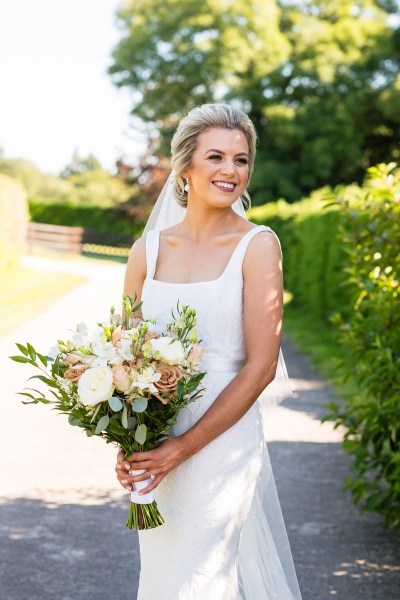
column 140, row 485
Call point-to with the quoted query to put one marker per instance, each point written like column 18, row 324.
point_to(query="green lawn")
column 24, row 293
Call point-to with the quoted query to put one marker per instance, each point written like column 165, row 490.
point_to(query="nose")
column 228, row 168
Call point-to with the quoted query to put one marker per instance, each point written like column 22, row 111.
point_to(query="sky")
column 55, row 94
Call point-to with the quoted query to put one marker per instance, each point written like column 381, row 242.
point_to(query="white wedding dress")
column 224, row 537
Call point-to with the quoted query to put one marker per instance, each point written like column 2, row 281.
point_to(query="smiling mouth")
column 224, row 186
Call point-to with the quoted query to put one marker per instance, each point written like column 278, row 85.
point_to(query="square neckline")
column 198, row 282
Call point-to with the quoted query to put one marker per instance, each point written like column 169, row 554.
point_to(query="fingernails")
column 127, row 466
column 124, row 481
column 118, row 465
column 128, row 487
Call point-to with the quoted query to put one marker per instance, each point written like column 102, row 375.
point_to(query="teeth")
column 229, row 186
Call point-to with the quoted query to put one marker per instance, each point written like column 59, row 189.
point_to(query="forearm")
column 229, row 407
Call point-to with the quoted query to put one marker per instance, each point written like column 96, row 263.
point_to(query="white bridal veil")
column 266, row 568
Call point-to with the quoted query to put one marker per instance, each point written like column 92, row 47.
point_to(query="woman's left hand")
column 156, row 463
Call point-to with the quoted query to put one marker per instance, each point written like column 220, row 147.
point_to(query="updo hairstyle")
column 184, row 141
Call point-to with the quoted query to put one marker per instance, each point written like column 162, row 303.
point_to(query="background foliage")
column 319, row 78
column 13, row 222
column 370, row 336
column 342, row 262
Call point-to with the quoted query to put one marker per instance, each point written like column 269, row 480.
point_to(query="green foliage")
column 81, row 164
column 319, row 79
column 107, row 219
column 341, row 258
column 87, row 186
column 13, row 222
column 313, row 255
column 370, row 336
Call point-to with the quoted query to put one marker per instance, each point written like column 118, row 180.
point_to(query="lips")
column 225, row 186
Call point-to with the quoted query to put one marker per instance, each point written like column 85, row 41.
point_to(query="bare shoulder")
column 137, row 256
column 263, row 252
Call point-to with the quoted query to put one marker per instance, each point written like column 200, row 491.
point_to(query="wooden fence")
column 76, row 240
column 56, row 238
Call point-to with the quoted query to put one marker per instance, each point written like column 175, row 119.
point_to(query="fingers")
column 152, row 485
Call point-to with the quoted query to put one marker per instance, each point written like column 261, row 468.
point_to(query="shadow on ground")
column 71, row 551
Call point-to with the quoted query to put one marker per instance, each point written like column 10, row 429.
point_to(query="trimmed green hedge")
column 370, row 337
column 13, row 221
column 342, row 263
column 94, row 217
column 313, row 254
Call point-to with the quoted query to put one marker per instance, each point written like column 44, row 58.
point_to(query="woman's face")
column 219, row 170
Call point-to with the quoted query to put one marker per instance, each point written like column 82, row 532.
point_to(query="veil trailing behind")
column 266, row 569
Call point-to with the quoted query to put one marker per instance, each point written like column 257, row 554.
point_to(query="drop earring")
column 186, row 188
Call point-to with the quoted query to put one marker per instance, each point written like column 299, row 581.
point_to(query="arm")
column 262, row 323
column 135, row 273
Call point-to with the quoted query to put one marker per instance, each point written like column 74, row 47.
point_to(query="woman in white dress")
column 224, row 537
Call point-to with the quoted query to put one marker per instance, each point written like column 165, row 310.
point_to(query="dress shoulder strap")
column 241, row 249
column 152, row 245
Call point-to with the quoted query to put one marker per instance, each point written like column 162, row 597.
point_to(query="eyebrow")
column 220, row 152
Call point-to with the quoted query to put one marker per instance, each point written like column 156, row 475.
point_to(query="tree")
column 319, row 78
column 80, row 164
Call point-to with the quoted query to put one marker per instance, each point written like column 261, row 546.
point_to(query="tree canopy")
column 319, row 78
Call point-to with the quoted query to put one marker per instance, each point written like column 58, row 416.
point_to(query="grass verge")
column 24, row 293
column 318, row 340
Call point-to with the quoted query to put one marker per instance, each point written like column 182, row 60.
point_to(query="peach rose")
column 168, row 381
column 74, row 373
column 121, row 378
column 195, row 354
column 116, row 335
column 151, row 335
column 73, row 358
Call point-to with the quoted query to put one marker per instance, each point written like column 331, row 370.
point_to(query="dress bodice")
column 218, row 302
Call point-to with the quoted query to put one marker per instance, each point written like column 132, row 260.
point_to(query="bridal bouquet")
column 126, row 383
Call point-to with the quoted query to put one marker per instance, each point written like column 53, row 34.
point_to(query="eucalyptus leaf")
column 124, row 418
column 95, row 413
column 140, row 405
column 115, row 403
column 140, row 434
column 102, row 424
column 131, row 422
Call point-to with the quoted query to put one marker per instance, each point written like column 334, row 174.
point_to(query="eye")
column 242, row 161
column 214, row 156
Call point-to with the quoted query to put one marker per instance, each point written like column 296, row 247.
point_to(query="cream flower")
column 167, row 349
column 95, row 385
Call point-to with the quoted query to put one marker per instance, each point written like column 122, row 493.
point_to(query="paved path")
column 62, row 516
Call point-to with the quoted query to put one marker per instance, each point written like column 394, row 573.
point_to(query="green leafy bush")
column 13, row 221
column 370, row 336
column 104, row 219
column 312, row 253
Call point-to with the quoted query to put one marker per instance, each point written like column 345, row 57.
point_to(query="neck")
column 202, row 221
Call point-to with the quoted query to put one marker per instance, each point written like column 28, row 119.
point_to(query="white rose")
column 171, row 353
column 95, row 385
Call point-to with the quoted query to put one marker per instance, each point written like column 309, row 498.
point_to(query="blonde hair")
column 184, row 141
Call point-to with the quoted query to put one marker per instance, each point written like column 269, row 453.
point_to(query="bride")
column 224, row 537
